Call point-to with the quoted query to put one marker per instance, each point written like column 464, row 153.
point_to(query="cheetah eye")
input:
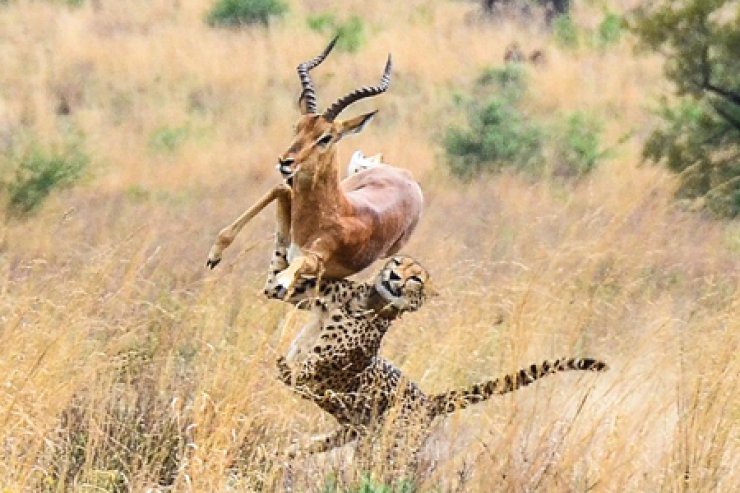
column 394, row 277
column 416, row 279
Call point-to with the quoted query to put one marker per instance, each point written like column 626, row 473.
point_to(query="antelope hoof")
column 283, row 285
column 214, row 257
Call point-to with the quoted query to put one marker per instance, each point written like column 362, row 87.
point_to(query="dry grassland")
column 126, row 365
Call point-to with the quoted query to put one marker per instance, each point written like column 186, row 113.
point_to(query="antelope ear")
column 355, row 125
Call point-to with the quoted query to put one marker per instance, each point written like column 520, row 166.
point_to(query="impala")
column 335, row 227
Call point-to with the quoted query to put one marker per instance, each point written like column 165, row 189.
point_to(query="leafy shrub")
column 321, row 23
column 168, row 139
column 509, row 81
column 609, row 31
column 38, row 171
column 577, row 145
column 497, row 133
column 497, row 136
column 566, row 32
column 235, row 13
column 351, row 32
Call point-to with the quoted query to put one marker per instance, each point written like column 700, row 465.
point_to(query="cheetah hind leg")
column 323, row 443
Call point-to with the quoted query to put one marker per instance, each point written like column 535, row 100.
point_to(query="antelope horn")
column 364, row 92
column 308, row 93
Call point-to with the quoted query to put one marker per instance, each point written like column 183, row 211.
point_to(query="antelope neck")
column 320, row 192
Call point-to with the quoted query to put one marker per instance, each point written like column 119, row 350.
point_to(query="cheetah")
column 334, row 360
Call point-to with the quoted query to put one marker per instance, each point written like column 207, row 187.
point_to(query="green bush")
column 235, row 13
column 168, row 139
column 351, row 32
column 509, row 81
column 609, row 31
column 566, row 32
column 322, row 23
column 497, row 136
column 37, row 172
column 578, row 145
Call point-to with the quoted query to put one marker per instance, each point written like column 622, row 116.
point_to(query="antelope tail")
column 453, row 400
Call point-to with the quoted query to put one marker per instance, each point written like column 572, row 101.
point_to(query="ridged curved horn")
column 364, row 92
column 308, row 93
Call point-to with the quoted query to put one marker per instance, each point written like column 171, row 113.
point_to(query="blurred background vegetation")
column 580, row 167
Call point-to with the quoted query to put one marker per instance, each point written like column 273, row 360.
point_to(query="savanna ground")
column 126, row 365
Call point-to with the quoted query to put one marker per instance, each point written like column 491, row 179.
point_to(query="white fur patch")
column 293, row 252
column 307, row 338
column 359, row 162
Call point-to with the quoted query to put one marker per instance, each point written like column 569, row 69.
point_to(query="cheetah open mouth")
column 390, row 289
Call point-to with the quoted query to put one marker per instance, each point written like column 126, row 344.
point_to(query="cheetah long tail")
column 453, row 400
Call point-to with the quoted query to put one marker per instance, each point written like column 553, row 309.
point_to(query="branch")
column 732, row 96
column 727, row 116
column 721, row 133
column 706, row 83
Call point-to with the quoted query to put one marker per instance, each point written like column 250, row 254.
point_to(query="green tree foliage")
column 700, row 134
column 235, row 13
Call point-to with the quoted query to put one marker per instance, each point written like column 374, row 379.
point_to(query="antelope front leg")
column 310, row 264
column 226, row 236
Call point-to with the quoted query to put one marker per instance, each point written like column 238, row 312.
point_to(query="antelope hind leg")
column 226, row 235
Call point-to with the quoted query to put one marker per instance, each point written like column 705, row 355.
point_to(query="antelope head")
column 312, row 154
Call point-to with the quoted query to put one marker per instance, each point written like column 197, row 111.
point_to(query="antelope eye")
column 325, row 140
column 416, row 279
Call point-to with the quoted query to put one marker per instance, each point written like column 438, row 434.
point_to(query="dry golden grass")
column 125, row 363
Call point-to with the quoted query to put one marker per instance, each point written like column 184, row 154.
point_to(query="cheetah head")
column 403, row 283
